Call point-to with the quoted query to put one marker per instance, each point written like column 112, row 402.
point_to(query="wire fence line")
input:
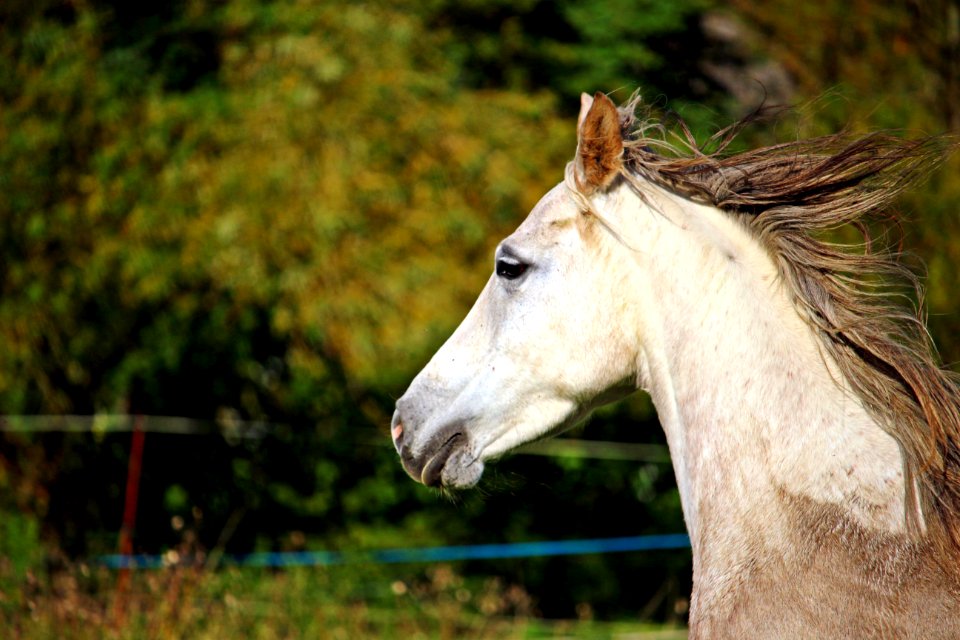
column 233, row 429
column 103, row 423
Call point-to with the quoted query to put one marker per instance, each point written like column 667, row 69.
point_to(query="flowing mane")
column 854, row 297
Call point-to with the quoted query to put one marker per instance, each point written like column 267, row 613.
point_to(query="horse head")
column 548, row 339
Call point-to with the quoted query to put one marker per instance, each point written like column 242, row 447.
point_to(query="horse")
column 813, row 433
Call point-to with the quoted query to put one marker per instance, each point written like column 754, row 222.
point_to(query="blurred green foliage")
column 568, row 46
column 251, row 210
column 243, row 243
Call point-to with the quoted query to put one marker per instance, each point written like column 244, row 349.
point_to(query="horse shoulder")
column 831, row 577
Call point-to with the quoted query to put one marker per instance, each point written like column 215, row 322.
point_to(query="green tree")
column 569, row 47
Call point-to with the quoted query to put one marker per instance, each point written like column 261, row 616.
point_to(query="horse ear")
column 599, row 143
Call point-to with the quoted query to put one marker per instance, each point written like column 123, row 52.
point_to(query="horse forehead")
column 554, row 209
column 555, row 203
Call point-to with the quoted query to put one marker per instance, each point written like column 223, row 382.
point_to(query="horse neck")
column 756, row 417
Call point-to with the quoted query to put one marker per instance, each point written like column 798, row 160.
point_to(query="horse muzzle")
column 443, row 459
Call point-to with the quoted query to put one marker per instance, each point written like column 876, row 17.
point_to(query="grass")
column 406, row 602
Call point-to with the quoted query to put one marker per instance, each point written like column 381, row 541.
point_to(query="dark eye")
column 510, row 270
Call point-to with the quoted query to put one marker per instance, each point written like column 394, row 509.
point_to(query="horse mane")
column 855, row 297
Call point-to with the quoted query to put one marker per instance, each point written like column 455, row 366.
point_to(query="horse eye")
column 510, row 270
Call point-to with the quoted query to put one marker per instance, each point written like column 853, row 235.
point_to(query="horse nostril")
column 396, row 428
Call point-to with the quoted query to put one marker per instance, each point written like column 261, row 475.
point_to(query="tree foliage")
column 566, row 46
column 181, row 244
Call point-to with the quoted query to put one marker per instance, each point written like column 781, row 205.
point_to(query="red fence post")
column 125, row 542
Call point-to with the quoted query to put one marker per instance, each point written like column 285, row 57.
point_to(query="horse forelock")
column 852, row 296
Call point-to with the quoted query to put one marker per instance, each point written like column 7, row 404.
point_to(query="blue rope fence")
column 423, row 554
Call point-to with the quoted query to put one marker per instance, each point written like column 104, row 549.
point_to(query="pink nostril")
column 397, row 431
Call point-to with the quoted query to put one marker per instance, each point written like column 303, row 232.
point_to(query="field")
column 403, row 601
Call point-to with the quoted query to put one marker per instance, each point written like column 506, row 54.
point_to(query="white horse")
column 813, row 435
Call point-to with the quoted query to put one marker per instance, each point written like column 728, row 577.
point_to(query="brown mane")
column 854, row 297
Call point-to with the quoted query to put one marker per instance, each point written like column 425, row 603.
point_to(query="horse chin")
column 460, row 471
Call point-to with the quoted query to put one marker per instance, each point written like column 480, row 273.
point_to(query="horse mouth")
column 429, row 471
column 432, row 472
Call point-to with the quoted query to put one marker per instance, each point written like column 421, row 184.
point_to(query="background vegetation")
column 273, row 213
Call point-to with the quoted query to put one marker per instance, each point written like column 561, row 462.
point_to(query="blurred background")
column 253, row 222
